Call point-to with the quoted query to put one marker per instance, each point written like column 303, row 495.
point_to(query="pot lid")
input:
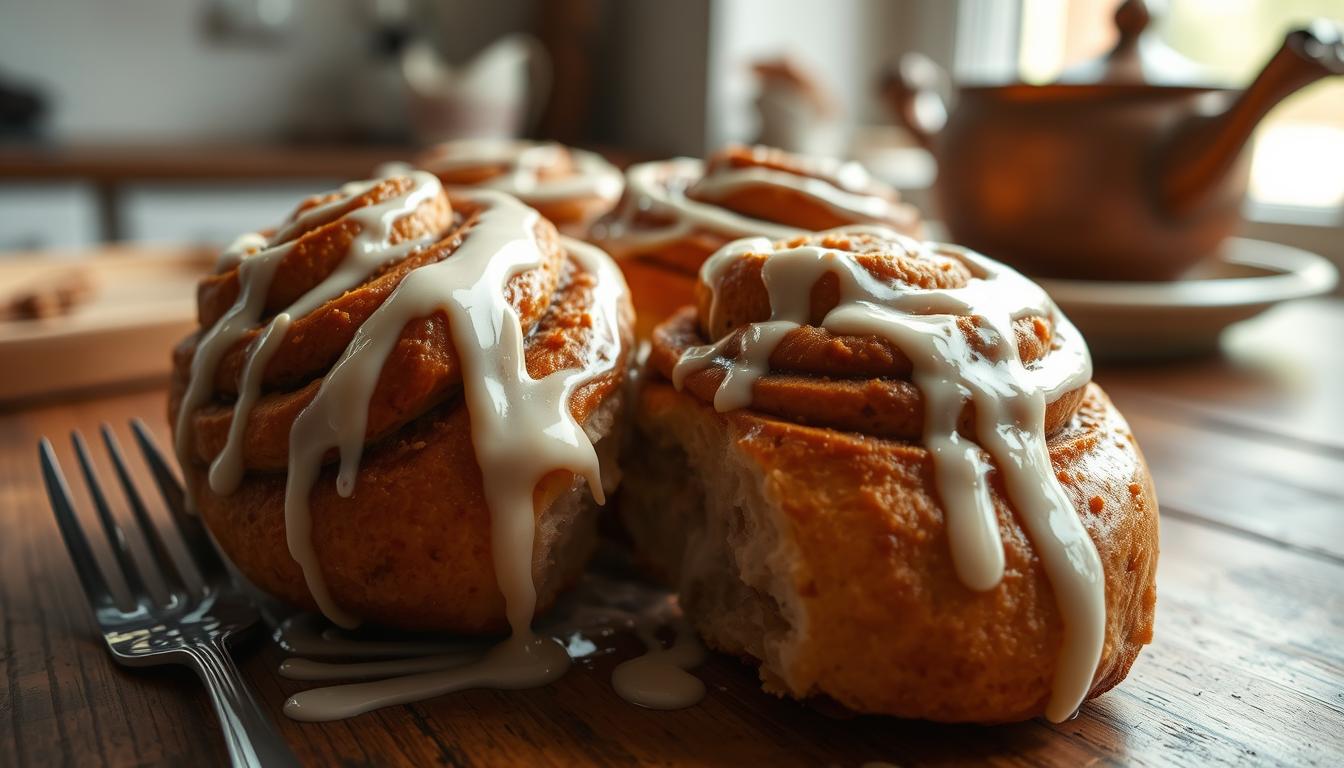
column 1140, row 57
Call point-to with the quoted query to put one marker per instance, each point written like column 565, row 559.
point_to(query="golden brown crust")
column 888, row 626
column 411, row 546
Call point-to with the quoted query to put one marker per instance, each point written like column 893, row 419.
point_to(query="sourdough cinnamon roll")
column 398, row 405
column 675, row 213
column 879, row 468
column 570, row 187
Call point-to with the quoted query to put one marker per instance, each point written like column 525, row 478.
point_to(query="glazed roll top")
column 864, row 330
column 570, row 187
column 327, row 298
column 676, row 213
column 860, row 382
column 370, row 310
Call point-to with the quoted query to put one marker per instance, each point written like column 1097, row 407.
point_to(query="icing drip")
column 1009, row 400
column 226, row 471
column 521, row 427
column 404, row 671
column 254, row 278
column 526, row 164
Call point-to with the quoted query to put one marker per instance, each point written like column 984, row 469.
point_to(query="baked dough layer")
column 822, row 554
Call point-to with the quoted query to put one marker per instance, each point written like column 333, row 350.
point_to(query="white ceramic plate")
column 1187, row 316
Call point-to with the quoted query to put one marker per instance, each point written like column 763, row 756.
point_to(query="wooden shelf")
column 116, row 163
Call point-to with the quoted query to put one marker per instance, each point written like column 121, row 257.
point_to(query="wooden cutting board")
column 128, row 306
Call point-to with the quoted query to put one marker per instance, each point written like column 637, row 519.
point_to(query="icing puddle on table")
column 389, row 669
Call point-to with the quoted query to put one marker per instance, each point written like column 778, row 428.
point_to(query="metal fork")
column 192, row 628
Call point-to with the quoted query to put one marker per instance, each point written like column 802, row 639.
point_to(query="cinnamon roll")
column 879, row 468
column 675, row 213
column 398, row 406
column 570, row 187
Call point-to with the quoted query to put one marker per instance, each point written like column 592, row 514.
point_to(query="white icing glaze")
column 1009, row 399
column 661, row 189
column 526, row 160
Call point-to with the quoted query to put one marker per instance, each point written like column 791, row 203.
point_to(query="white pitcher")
column 497, row 95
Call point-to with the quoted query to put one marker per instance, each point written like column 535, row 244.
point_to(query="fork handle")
column 251, row 739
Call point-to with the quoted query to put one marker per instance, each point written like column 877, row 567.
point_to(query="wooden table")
column 1247, row 666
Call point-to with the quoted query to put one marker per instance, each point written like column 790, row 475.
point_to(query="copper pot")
column 1107, row 175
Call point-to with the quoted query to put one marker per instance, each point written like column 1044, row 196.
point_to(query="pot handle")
column 912, row 89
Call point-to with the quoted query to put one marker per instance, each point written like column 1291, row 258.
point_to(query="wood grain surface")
column 1247, row 667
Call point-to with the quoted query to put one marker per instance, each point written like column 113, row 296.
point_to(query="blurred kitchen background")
column 192, row 120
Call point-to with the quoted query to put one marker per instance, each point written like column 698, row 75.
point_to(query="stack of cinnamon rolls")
column 874, row 465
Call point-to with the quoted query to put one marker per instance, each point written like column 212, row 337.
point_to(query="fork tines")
column 190, row 530
column 193, row 627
